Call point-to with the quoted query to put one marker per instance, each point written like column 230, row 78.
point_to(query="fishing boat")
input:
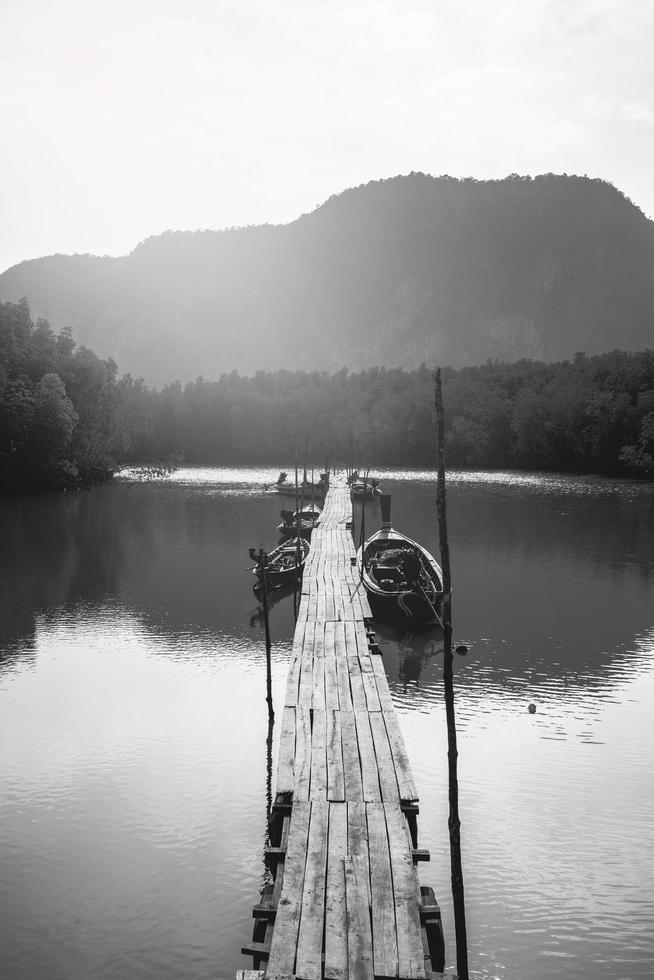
column 306, row 489
column 402, row 580
column 283, row 563
column 301, row 521
column 366, row 489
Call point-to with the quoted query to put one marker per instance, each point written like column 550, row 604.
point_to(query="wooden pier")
column 345, row 900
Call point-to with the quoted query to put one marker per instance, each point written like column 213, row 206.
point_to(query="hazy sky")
column 121, row 118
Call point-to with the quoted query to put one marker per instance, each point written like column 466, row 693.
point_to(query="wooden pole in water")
column 298, row 518
column 448, row 681
column 263, row 562
column 363, row 523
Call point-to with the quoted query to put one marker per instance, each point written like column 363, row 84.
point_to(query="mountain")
column 395, row 272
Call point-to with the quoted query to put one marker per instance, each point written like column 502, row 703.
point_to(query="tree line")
column 67, row 418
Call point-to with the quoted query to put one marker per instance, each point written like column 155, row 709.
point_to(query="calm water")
column 133, row 724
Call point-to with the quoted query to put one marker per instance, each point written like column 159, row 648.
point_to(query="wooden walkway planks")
column 347, row 893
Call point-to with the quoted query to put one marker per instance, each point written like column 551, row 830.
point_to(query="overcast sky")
column 122, row 118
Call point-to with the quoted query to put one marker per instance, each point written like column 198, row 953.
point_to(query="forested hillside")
column 398, row 272
column 589, row 415
column 66, row 419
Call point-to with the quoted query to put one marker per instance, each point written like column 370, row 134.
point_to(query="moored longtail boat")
column 301, row 521
column 402, row 579
column 366, row 489
column 305, row 489
column 283, row 564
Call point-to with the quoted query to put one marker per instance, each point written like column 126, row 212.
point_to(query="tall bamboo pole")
column 454, row 822
column 363, row 524
column 263, row 566
column 296, row 587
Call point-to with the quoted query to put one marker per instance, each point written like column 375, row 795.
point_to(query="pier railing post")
column 454, row 822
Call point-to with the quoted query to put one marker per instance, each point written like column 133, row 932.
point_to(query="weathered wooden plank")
column 335, row 773
column 351, row 764
column 302, row 753
column 306, row 667
column 362, row 639
column 359, row 936
column 405, row 781
column 365, row 607
column 303, row 611
column 406, row 896
column 383, row 690
column 293, row 679
column 385, row 764
column 335, row 910
column 309, row 945
column 357, row 837
column 369, row 682
column 318, row 790
column 318, row 678
column 356, row 683
column 286, row 764
column 298, row 641
column 332, row 700
column 287, row 922
column 340, row 648
column 369, row 772
column 384, row 932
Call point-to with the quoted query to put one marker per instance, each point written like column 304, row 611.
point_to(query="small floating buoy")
column 461, row 650
column 532, row 709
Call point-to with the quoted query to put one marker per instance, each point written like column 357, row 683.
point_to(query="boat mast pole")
column 454, row 822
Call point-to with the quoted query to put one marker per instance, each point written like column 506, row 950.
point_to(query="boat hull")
column 307, row 492
column 282, row 564
column 402, row 580
column 404, row 607
column 288, row 530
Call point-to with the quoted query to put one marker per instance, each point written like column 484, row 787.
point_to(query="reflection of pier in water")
column 345, row 899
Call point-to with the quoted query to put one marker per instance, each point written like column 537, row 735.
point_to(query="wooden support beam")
column 259, row 950
column 264, row 912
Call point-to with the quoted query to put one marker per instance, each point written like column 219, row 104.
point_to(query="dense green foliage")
column 65, row 419
column 594, row 414
column 395, row 272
